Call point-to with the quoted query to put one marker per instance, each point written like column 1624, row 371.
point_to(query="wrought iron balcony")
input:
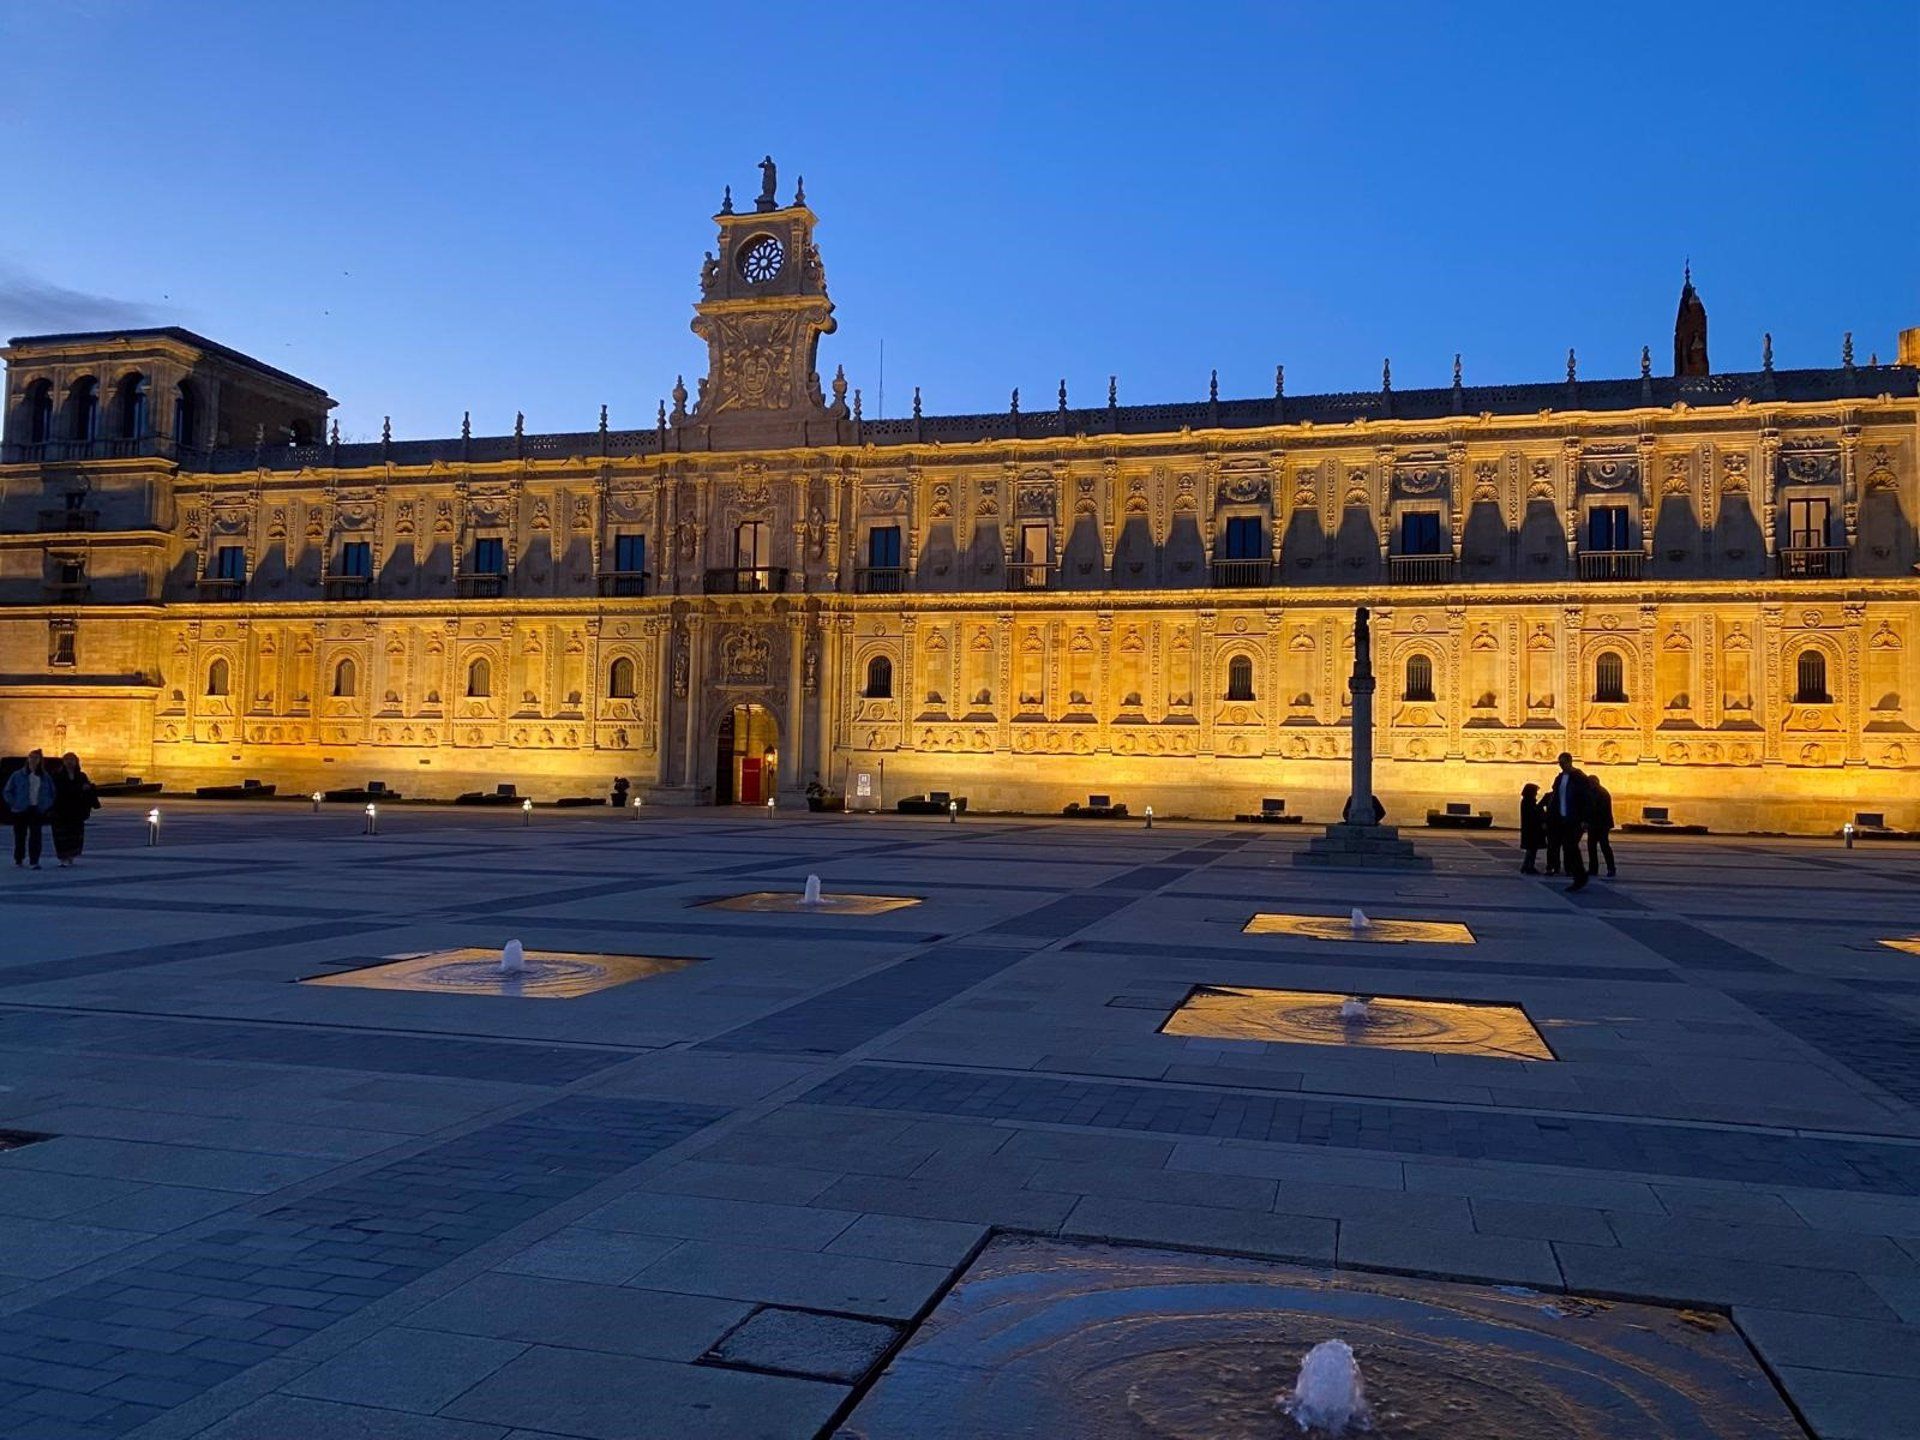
column 880, row 580
column 1026, row 575
column 69, row 520
column 1813, row 562
column 747, row 580
column 1420, row 569
column 349, row 587
column 1241, row 574
column 624, row 582
column 44, row 452
column 219, row 587
column 482, row 587
column 1611, row 564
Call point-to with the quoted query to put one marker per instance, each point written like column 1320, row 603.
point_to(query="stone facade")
column 1704, row 585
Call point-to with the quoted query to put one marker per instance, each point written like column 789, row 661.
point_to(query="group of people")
column 1576, row 808
column 39, row 796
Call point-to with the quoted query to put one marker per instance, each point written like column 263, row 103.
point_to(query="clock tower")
column 763, row 307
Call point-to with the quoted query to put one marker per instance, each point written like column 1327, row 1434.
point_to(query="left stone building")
column 1703, row 583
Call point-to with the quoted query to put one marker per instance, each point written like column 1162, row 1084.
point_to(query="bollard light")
column 317, row 798
column 769, row 807
column 953, row 812
column 373, row 819
column 153, row 826
column 1149, row 817
column 636, row 807
column 526, row 812
column 1847, row 830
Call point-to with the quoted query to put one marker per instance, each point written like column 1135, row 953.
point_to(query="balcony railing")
column 880, row 580
column 1813, row 562
column 349, row 587
column 49, row 451
column 69, row 589
column 69, row 520
column 482, row 587
column 1029, row 575
column 1611, row 564
column 219, row 587
column 624, row 582
column 1241, row 574
column 1420, row 569
column 747, row 580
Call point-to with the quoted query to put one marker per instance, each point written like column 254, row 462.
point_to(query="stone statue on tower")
column 768, row 178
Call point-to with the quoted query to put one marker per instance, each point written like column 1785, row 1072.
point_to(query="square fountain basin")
column 1048, row 1338
column 474, row 970
column 1380, row 932
column 1312, row 1017
column 787, row 902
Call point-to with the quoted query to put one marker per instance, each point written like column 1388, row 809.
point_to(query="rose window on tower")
column 761, row 259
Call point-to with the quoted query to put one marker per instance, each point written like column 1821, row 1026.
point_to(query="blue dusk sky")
column 431, row 208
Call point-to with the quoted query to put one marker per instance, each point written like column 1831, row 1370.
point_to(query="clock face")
column 761, row 259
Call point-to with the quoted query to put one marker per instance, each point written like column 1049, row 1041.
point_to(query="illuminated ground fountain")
column 1372, row 1022
column 512, row 971
column 811, row 900
column 1073, row 1342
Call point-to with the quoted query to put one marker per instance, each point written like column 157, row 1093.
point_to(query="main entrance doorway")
column 747, row 765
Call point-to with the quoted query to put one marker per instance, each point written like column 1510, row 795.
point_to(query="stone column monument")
column 1359, row 839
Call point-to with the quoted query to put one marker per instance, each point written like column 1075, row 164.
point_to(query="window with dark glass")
column 879, row 679
column 1420, row 533
column 883, row 547
column 1419, row 678
column 39, row 412
column 480, row 679
column 1242, row 540
column 1607, row 528
column 750, row 546
column 489, row 555
column 1812, row 688
column 1240, row 678
column 61, row 652
column 630, row 554
column 620, row 679
column 217, row 677
column 1808, row 523
column 1610, row 678
column 346, row 678
column 356, row 560
column 230, row 563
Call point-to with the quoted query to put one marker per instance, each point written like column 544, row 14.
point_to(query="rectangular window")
column 1607, row 528
column 356, row 560
column 630, row 554
column 750, row 543
column 1243, row 538
column 489, row 555
column 1420, row 533
column 1034, row 546
column 230, row 563
column 1808, row 524
column 60, row 645
column 883, row 547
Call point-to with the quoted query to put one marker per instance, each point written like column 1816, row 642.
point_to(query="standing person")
column 29, row 796
column 1599, row 826
column 74, row 800
column 1550, row 828
column 1533, row 829
column 1567, row 803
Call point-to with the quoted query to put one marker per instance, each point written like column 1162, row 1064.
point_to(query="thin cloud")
column 30, row 305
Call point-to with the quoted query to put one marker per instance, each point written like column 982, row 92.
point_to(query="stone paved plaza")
column 712, row 1202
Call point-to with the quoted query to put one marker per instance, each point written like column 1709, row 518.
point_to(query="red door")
column 750, row 769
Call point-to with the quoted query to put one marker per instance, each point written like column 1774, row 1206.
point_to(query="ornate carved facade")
column 1704, row 585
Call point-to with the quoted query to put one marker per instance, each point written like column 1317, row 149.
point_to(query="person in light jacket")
column 29, row 800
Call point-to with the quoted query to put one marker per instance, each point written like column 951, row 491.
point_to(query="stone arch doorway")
column 747, row 756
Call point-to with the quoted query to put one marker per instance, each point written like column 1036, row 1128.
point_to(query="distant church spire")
column 1690, row 331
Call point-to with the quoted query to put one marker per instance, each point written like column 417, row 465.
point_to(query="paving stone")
column 1283, row 1162
column 1736, row 1207
column 1670, row 1277
column 576, row 1253
column 607, row 1397
column 902, row 1237
column 1290, row 1237
column 1535, row 1187
column 949, row 1200
column 1541, row 1222
column 286, row 1417
column 1232, row 1192
column 1788, row 1244
column 853, row 1284
column 40, row 1249
column 621, row 1318
column 1447, row 1251
column 803, row 1342
column 696, row 1217
column 1854, row 1407
column 405, row 1369
column 781, row 1184
column 1825, row 1342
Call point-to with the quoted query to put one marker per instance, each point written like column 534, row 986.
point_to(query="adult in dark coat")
column 1533, row 829
column 1599, row 826
column 1568, row 805
column 73, row 801
column 28, row 797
